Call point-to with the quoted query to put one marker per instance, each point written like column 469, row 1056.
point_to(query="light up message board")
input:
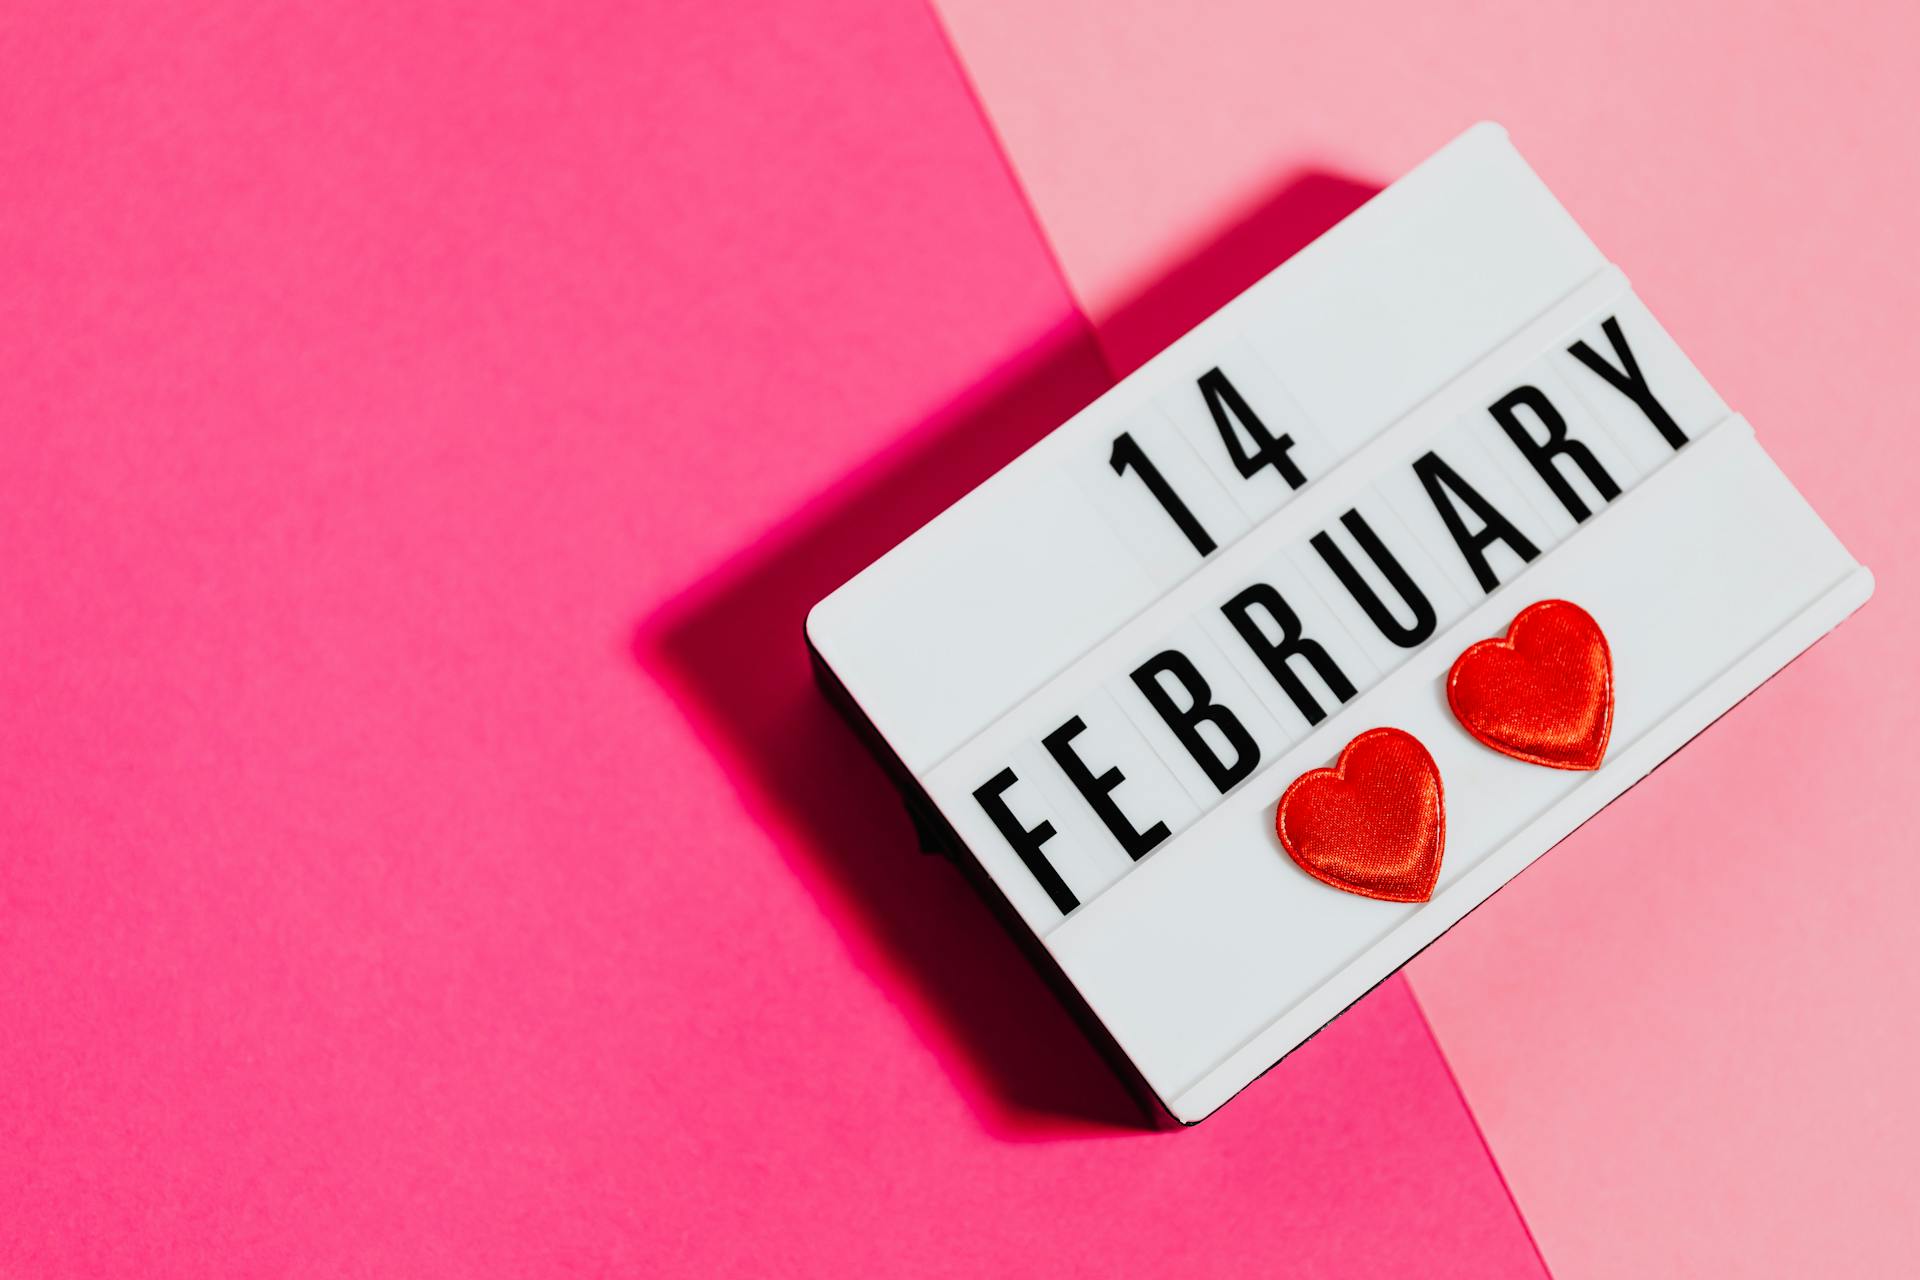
column 1100, row 670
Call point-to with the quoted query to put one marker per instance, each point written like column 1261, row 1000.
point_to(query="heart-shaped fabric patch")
column 1374, row 824
column 1543, row 693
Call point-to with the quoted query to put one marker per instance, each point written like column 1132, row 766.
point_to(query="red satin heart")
column 1543, row 693
column 1374, row 824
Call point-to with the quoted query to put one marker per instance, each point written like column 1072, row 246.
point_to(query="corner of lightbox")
column 810, row 629
column 1865, row 581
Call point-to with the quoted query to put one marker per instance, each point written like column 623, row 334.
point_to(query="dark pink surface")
column 422, row 850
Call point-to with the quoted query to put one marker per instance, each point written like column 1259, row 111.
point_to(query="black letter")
column 1424, row 621
column 1268, row 450
column 1438, row 478
column 1273, row 654
column 1099, row 791
column 1026, row 841
column 1627, row 380
column 1201, row 709
column 1541, row 453
column 1126, row 454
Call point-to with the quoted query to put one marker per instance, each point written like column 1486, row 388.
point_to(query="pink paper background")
column 421, row 850
column 424, row 851
column 1688, row 1031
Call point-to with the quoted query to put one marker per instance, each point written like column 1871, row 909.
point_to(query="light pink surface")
column 421, row 852
column 1688, row 1032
